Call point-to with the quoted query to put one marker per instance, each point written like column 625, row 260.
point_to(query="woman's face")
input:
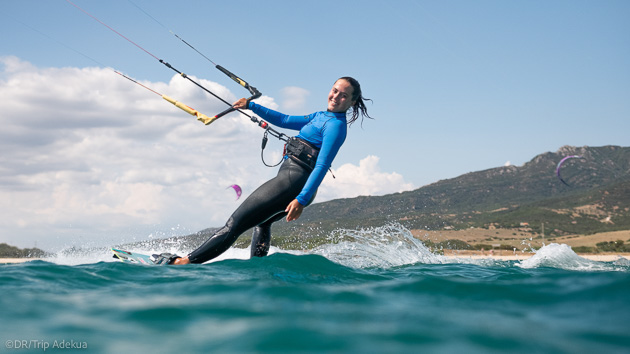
column 340, row 97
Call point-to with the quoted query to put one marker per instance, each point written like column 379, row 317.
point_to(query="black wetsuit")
column 325, row 131
column 263, row 207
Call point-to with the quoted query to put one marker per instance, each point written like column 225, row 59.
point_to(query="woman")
column 309, row 156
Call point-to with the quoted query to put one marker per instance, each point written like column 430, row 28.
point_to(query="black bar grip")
column 225, row 71
column 231, row 109
column 233, row 77
column 255, row 93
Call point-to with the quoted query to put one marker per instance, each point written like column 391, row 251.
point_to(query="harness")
column 302, row 152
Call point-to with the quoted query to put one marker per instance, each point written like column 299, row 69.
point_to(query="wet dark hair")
column 359, row 104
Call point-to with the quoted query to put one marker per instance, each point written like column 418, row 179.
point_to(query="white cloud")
column 366, row 179
column 86, row 153
column 294, row 98
column 89, row 157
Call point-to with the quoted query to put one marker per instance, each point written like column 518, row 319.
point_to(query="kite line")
column 200, row 116
column 252, row 90
column 205, row 119
column 560, row 165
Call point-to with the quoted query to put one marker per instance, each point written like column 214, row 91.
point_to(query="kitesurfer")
column 308, row 157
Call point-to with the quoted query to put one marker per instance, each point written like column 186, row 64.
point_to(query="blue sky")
column 457, row 86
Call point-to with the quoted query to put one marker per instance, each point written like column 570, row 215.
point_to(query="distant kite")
column 237, row 189
column 560, row 164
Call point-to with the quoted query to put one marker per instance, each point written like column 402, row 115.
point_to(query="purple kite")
column 560, row 164
column 237, row 189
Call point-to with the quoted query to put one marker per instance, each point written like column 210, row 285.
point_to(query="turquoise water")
column 375, row 291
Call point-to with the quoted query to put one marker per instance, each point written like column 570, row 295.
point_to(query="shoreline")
column 522, row 257
column 505, row 255
column 520, row 238
column 18, row 260
column 451, row 254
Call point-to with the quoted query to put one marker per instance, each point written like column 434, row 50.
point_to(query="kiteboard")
column 132, row 257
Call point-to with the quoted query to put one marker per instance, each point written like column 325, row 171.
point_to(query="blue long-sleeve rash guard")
column 325, row 130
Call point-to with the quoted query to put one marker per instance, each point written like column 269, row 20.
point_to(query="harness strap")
column 302, row 152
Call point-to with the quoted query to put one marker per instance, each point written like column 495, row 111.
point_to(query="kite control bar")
column 207, row 120
column 200, row 116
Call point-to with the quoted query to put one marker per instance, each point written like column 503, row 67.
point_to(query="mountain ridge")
column 488, row 197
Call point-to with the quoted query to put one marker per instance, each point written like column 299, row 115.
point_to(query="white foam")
column 387, row 246
column 383, row 247
column 561, row 256
column 78, row 256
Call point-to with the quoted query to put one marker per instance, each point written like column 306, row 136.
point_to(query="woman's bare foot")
column 180, row 261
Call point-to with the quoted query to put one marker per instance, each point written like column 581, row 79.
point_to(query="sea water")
column 375, row 291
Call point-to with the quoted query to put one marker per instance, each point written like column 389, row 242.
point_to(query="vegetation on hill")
column 597, row 199
column 7, row 251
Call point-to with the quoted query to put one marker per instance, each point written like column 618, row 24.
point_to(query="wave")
column 563, row 257
column 379, row 247
column 387, row 246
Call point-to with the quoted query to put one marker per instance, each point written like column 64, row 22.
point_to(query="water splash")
column 562, row 256
column 78, row 256
column 383, row 247
column 387, row 246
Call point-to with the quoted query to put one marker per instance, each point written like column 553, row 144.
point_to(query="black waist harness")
column 301, row 152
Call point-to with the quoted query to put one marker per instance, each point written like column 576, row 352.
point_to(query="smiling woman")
column 308, row 157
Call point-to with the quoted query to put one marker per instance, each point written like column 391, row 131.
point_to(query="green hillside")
column 596, row 200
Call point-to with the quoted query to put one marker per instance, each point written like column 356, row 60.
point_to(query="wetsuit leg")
column 266, row 202
column 261, row 237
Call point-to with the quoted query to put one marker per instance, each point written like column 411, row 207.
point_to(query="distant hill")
column 596, row 200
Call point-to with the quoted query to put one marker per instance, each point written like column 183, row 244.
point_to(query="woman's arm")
column 333, row 137
column 276, row 118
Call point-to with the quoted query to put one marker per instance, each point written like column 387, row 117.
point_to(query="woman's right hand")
column 241, row 104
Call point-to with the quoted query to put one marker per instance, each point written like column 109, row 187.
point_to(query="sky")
column 88, row 158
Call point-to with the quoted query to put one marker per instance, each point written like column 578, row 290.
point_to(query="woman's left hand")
column 240, row 104
column 294, row 210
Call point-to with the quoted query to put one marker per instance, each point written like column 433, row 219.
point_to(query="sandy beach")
column 520, row 257
column 504, row 255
